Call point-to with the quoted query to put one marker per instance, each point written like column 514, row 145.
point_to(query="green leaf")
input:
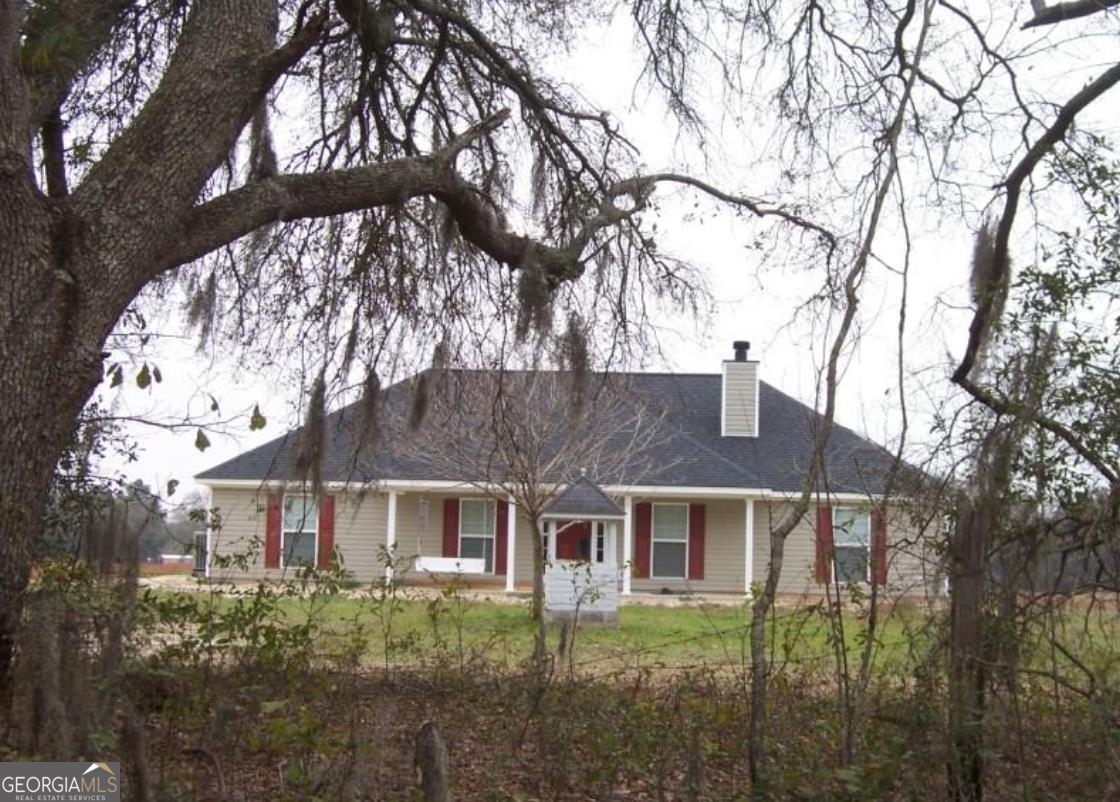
column 257, row 420
column 116, row 376
column 172, row 485
column 144, row 377
column 201, row 441
column 213, row 404
column 156, row 374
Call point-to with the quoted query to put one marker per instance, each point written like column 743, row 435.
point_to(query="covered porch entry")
column 581, row 577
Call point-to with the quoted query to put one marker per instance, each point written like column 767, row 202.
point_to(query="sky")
column 752, row 300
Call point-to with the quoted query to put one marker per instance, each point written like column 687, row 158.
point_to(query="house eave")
column 437, row 485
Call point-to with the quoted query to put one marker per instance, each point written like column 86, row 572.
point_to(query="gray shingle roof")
column 691, row 454
column 583, row 500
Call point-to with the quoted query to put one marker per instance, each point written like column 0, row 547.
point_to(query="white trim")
column 757, row 408
column 464, row 488
column 653, row 539
column 550, row 533
column 391, row 535
column 870, row 537
column 627, row 544
column 284, row 529
column 511, row 543
column 567, row 516
column 493, row 536
column 748, row 539
column 449, row 565
column 208, row 499
column 695, row 492
column 723, row 400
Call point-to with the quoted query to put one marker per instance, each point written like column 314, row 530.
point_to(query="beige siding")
column 912, row 565
column 800, row 549
column 419, row 538
column 740, row 399
column 909, row 570
column 242, row 531
column 360, row 521
column 523, row 559
column 724, row 551
column 359, row 532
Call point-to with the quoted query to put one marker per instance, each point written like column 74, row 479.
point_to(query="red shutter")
column 695, row 541
column 272, row 518
column 325, row 557
column 451, row 527
column 878, row 547
column 823, row 568
column 643, row 525
column 501, row 535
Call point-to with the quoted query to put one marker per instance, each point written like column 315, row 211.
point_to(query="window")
column 301, row 531
column 851, row 540
column 476, row 531
column 670, row 541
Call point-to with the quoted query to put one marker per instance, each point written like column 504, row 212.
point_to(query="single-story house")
column 698, row 503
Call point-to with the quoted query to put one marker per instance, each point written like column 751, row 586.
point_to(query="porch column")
column 550, row 530
column 748, row 538
column 511, row 543
column 391, row 535
column 627, row 544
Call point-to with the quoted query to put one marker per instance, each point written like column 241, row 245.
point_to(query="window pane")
column 851, row 527
column 668, row 560
column 473, row 548
column 300, row 514
column 476, row 517
column 851, row 563
column 299, row 548
column 670, row 521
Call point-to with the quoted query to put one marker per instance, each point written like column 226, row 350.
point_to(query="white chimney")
column 739, row 407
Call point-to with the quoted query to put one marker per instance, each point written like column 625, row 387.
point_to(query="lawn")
column 413, row 628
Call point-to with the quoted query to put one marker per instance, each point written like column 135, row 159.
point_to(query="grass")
column 408, row 628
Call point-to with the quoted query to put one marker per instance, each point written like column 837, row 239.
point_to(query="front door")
column 574, row 541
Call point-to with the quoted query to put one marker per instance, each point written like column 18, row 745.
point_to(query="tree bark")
column 51, row 356
column 966, row 663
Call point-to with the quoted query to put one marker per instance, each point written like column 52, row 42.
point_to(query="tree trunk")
column 51, row 332
column 537, row 606
column 966, row 666
column 760, row 668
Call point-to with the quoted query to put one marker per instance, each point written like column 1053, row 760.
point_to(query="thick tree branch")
column 242, row 211
column 1061, row 12
column 13, row 88
column 981, row 319
column 54, row 155
column 289, row 53
column 214, row 81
